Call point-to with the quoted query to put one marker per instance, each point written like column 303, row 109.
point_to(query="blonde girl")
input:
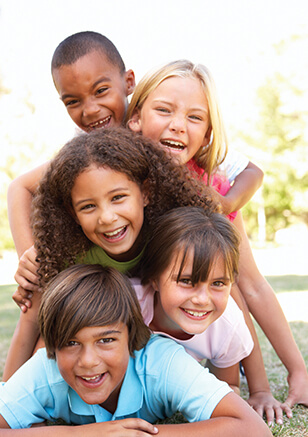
column 176, row 105
column 203, row 145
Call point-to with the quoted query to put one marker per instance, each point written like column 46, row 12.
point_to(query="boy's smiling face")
column 94, row 91
column 94, row 363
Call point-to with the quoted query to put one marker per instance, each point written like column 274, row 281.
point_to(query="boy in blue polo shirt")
column 102, row 369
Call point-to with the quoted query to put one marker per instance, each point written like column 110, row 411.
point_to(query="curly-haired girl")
column 95, row 205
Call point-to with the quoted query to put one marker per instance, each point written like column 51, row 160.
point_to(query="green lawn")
column 297, row 426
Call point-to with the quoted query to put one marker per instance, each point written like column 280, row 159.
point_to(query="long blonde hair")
column 208, row 157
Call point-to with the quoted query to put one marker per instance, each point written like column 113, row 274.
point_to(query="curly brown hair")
column 59, row 239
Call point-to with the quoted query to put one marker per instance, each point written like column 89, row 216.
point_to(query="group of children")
column 147, row 201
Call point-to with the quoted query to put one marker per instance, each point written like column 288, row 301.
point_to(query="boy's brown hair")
column 89, row 295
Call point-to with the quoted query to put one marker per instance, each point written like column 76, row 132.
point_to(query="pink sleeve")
column 222, row 186
column 218, row 182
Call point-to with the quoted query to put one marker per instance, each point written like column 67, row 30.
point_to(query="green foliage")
column 282, row 141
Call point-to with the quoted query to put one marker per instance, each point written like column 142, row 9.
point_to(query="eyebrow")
column 101, row 79
column 107, row 333
column 166, row 102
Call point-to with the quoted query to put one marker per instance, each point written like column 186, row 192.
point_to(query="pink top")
column 218, row 182
column 225, row 342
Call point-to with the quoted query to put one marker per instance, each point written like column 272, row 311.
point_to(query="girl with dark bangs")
column 188, row 268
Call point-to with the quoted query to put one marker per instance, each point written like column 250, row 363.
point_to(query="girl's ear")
column 134, row 123
column 154, row 284
column 145, row 199
column 208, row 139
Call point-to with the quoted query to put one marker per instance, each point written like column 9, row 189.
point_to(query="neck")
column 162, row 323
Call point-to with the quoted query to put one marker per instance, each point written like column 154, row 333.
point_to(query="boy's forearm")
column 244, row 187
column 19, row 199
column 19, row 202
column 264, row 306
column 23, row 342
column 232, row 417
column 253, row 364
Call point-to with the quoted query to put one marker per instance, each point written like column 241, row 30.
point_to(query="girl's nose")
column 177, row 124
column 202, row 296
column 107, row 216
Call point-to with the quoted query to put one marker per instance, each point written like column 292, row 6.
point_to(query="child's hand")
column 226, row 204
column 265, row 404
column 298, row 389
column 119, row 428
column 26, row 275
column 22, row 298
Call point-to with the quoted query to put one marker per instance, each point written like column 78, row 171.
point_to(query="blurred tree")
column 282, row 142
column 21, row 148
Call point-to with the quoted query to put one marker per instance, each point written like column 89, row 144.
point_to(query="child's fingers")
column 26, row 280
column 273, row 414
column 22, row 298
column 287, row 409
column 140, row 424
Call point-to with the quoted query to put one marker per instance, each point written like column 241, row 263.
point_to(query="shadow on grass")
column 9, row 311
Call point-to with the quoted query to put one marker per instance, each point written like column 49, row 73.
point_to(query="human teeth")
column 90, row 377
column 196, row 313
column 111, row 234
column 174, row 144
column 100, row 123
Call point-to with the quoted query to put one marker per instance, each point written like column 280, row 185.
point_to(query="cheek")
column 221, row 301
column 151, row 127
column 65, row 366
column 170, row 300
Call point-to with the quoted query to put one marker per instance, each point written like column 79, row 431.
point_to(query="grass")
column 296, row 427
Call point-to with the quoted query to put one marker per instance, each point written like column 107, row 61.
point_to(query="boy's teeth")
column 90, row 378
column 173, row 144
column 196, row 313
column 101, row 123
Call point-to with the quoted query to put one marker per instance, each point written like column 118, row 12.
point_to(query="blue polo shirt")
column 160, row 380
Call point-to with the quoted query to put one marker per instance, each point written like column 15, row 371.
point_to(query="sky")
column 234, row 39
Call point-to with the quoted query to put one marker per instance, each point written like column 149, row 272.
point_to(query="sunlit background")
column 257, row 52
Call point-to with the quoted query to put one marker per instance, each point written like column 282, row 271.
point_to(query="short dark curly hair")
column 89, row 295
column 59, row 240
column 80, row 44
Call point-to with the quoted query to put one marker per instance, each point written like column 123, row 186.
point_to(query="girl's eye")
column 186, row 281
column 195, row 117
column 164, row 110
column 218, row 284
column 118, row 197
column 88, row 206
